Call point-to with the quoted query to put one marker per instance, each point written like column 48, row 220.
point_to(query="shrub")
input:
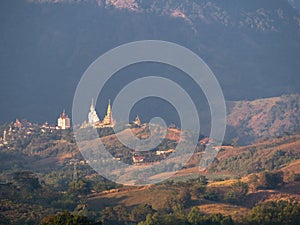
column 212, row 195
column 237, row 193
column 269, row 180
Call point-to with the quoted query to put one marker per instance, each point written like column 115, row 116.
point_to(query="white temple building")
column 92, row 116
column 63, row 122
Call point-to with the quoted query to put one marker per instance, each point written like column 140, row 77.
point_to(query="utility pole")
column 74, row 162
column 75, row 172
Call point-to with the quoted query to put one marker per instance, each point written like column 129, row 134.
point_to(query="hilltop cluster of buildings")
column 108, row 121
column 63, row 123
column 94, row 121
column 25, row 128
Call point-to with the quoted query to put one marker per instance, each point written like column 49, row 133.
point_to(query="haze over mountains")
column 253, row 47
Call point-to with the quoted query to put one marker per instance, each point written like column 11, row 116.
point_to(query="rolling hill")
column 262, row 118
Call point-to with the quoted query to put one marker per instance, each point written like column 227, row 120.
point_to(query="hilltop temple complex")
column 94, row 121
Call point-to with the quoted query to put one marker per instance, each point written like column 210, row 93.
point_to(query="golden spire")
column 137, row 120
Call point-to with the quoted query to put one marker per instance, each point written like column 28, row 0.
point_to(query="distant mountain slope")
column 267, row 155
column 251, row 120
column 253, row 47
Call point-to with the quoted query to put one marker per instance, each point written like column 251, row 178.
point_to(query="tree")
column 184, row 197
column 171, row 219
column 80, row 187
column 271, row 180
column 219, row 219
column 108, row 214
column 273, row 213
column 195, row 217
column 66, row 218
column 151, row 220
column 227, row 220
column 27, row 179
column 170, row 201
column 121, row 213
column 4, row 220
column 211, row 195
column 237, row 193
column 253, row 181
column 198, row 190
column 140, row 212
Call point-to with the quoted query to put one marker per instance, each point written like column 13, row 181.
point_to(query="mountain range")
column 253, row 48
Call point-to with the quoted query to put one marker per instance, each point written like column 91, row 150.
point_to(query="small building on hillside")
column 138, row 159
column 165, row 152
column 18, row 123
column 63, row 121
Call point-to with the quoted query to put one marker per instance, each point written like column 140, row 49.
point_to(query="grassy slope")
column 265, row 155
column 156, row 195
